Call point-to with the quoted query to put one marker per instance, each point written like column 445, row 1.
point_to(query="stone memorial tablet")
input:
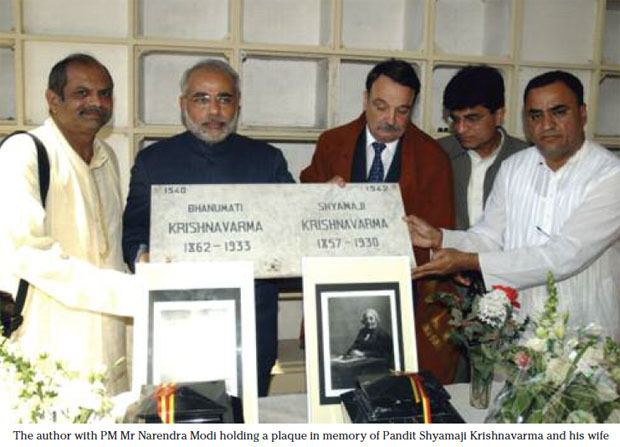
column 275, row 225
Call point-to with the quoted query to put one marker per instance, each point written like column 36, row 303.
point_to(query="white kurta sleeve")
column 27, row 252
column 592, row 228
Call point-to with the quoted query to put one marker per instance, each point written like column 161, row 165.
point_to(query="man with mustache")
column 383, row 145
column 554, row 208
column 209, row 152
column 68, row 248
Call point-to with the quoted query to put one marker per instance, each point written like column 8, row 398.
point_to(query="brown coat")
column 426, row 187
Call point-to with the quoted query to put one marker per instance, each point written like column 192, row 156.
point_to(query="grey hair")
column 214, row 65
column 374, row 313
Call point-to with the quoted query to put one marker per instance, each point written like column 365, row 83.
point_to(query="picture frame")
column 358, row 321
column 186, row 305
column 348, row 346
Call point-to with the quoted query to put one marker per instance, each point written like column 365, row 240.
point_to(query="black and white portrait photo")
column 359, row 334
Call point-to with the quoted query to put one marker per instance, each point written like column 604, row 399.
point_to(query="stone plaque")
column 274, row 225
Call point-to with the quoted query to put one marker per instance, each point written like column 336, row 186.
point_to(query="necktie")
column 376, row 169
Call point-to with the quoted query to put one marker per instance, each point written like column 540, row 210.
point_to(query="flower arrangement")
column 42, row 390
column 486, row 322
column 560, row 375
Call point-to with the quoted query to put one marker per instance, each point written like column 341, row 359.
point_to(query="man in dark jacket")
column 209, row 152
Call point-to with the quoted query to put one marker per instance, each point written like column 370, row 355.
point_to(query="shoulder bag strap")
column 44, row 183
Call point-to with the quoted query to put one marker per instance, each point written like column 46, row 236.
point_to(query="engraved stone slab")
column 274, row 225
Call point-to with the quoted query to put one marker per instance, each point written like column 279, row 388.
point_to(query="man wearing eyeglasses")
column 474, row 102
column 209, row 152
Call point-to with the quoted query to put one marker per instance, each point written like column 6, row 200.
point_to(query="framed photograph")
column 360, row 333
column 197, row 324
column 358, row 322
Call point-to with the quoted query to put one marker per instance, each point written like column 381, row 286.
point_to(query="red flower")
column 522, row 359
column 511, row 294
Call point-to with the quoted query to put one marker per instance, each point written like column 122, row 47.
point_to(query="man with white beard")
column 209, row 152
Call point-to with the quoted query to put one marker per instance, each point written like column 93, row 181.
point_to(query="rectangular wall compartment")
column 101, row 18
column 159, row 81
column 383, row 25
column 282, row 92
column 559, row 31
column 608, row 110
column 292, row 22
column 473, row 27
column 6, row 15
column 7, row 84
column 611, row 33
column 184, row 19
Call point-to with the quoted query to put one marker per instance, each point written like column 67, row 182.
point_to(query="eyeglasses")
column 471, row 119
column 204, row 99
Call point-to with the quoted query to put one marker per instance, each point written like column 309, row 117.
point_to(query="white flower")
column 614, row 417
column 580, row 417
column 606, row 388
column 556, row 370
column 590, row 361
column 536, row 344
column 594, row 329
column 559, row 329
column 492, row 308
column 43, row 390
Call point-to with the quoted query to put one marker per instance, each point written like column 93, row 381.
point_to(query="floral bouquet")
column 559, row 375
column 42, row 390
column 486, row 325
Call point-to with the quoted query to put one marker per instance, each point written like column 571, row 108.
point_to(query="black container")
column 195, row 403
column 390, row 399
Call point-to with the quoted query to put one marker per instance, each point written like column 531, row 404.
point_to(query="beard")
column 209, row 136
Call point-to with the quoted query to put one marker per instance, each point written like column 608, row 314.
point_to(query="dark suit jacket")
column 461, row 170
column 425, row 179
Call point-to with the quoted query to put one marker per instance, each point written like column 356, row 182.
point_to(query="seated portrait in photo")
column 372, row 340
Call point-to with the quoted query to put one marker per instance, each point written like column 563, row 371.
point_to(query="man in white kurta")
column 554, row 207
column 70, row 250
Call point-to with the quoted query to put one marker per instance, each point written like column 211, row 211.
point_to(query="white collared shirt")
column 386, row 156
column 566, row 222
column 475, row 187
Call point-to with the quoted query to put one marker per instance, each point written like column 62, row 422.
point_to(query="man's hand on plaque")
column 338, row 181
column 445, row 262
column 422, row 233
